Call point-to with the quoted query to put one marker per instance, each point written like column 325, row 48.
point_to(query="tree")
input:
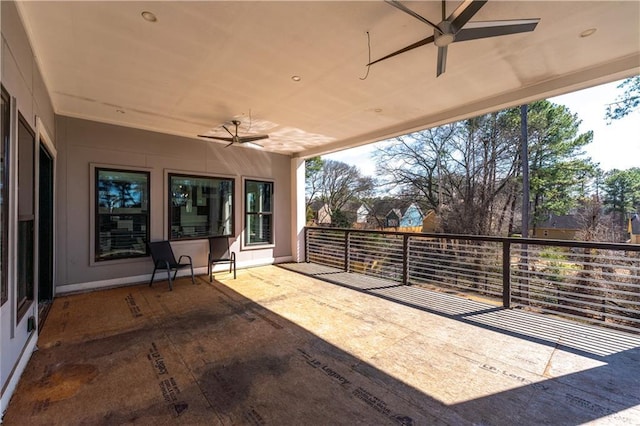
column 335, row 183
column 313, row 179
column 627, row 102
column 461, row 170
column 622, row 192
column 341, row 183
column 559, row 172
column 469, row 172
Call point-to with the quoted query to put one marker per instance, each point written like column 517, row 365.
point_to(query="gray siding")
column 23, row 80
column 82, row 143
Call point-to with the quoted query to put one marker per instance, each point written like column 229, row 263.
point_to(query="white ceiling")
column 204, row 63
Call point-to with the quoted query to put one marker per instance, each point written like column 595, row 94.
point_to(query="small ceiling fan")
column 234, row 138
column 457, row 28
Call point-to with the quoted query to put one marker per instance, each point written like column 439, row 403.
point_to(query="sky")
column 615, row 145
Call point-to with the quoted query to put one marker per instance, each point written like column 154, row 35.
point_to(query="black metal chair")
column 220, row 252
column 163, row 258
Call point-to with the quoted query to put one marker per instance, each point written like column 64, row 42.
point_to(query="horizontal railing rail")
column 588, row 281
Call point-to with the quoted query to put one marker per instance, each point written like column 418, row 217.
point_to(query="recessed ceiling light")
column 587, row 33
column 296, row 78
column 149, row 16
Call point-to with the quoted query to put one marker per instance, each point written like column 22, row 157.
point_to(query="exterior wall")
column 362, row 214
column 23, row 81
column 392, row 220
column 412, row 217
column 323, row 217
column 430, row 222
column 555, row 234
column 82, row 143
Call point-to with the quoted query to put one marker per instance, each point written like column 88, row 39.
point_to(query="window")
column 258, row 212
column 122, row 214
column 200, row 206
column 26, row 216
column 5, row 119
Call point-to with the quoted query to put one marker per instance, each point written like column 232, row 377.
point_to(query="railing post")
column 405, row 259
column 306, row 244
column 347, row 262
column 506, row 274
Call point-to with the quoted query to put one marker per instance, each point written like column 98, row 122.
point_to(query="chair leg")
column 234, row 269
column 169, row 276
column 193, row 280
column 152, row 275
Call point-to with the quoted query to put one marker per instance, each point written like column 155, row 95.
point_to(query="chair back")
column 161, row 250
column 219, row 248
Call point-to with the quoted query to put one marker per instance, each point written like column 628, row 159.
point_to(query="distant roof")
column 635, row 224
column 566, row 221
column 317, row 205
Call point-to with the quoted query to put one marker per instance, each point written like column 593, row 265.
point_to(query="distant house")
column 558, row 227
column 634, row 229
column 404, row 217
column 356, row 214
column 430, row 222
column 321, row 213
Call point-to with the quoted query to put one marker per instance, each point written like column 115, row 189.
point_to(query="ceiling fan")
column 234, row 138
column 456, row 27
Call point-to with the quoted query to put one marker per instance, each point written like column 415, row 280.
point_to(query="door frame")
column 43, row 139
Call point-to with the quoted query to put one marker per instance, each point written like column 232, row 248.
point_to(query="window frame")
column 5, row 140
column 245, row 238
column 96, row 214
column 168, row 204
column 23, row 304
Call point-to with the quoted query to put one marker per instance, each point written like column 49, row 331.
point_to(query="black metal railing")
column 587, row 281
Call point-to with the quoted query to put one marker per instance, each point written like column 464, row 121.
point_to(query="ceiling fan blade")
column 228, row 131
column 405, row 9
column 464, row 13
column 442, row 60
column 405, row 49
column 476, row 30
column 254, row 145
column 244, row 139
column 219, row 138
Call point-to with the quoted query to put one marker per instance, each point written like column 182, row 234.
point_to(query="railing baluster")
column 306, row 245
column 347, row 249
column 506, row 274
column 405, row 259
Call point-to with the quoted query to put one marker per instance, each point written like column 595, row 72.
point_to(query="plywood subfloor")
column 276, row 347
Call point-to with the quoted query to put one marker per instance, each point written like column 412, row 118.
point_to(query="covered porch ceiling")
column 202, row 64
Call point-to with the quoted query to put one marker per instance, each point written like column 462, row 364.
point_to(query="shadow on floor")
column 206, row 354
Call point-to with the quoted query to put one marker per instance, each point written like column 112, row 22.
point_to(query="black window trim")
column 258, row 245
column 23, row 306
column 96, row 214
column 6, row 142
column 171, row 174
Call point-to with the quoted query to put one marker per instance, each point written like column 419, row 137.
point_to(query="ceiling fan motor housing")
column 444, row 35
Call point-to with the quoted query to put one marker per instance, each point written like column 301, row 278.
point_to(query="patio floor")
column 278, row 347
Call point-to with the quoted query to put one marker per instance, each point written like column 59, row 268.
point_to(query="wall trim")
column 16, row 373
column 142, row 279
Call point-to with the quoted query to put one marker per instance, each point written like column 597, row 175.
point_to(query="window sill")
column 246, row 247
